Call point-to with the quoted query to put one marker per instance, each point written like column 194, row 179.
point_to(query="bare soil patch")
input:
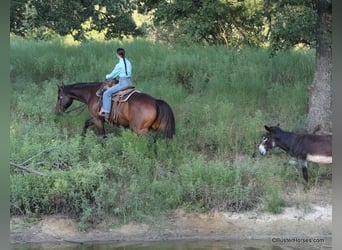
column 309, row 215
column 292, row 222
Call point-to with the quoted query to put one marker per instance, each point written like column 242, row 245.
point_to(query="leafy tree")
column 229, row 22
column 308, row 22
column 114, row 18
column 320, row 114
column 19, row 16
column 293, row 22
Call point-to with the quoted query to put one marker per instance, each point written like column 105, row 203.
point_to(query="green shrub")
column 221, row 99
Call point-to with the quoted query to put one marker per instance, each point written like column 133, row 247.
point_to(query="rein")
column 83, row 106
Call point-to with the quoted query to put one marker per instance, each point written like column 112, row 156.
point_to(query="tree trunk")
column 320, row 112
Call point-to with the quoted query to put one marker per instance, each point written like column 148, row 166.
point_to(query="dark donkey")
column 304, row 147
column 141, row 112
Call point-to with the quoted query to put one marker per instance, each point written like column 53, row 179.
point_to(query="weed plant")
column 221, row 99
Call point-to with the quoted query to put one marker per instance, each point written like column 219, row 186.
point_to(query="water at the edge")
column 271, row 244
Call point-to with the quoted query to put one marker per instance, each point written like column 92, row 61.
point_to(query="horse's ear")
column 278, row 125
column 267, row 128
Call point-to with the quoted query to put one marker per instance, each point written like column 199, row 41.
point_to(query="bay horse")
column 304, row 147
column 141, row 112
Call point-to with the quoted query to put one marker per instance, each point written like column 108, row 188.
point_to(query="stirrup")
column 101, row 112
column 105, row 115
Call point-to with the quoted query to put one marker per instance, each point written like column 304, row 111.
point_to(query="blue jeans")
column 107, row 95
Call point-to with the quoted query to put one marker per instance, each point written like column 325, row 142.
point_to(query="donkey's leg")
column 304, row 165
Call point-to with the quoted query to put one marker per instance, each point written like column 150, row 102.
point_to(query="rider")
column 122, row 70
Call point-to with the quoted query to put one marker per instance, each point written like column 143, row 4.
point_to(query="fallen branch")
column 32, row 171
column 44, row 151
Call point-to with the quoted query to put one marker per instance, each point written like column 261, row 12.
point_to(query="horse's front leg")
column 95, row 119
column 99, row 126
column 87, row 124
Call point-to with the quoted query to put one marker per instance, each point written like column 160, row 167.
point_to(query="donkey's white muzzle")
column 262, row 149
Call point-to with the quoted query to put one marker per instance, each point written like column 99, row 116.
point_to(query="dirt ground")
column 302, row 219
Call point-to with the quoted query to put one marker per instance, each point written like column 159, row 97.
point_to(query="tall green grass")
column 221, row 99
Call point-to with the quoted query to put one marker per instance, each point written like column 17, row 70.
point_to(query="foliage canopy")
column 281, row 24
column 40, row 19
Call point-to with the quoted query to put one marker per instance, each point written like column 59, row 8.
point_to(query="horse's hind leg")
column 139, row 129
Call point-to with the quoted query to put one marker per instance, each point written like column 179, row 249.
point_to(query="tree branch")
column 44, row 151
column 32, row 171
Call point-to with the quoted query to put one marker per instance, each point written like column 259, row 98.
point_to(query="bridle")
column 80, row 107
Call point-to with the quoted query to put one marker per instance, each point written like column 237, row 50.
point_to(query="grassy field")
column 221, row 99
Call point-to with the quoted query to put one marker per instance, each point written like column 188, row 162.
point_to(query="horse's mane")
column 83, row 84
column 80, row 87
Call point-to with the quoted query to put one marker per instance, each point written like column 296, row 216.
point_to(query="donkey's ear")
column 60, row 85
column 267, row 128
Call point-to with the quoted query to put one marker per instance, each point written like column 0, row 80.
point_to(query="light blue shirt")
column 120, row 71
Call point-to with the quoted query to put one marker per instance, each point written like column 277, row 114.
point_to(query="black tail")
column 166, row 118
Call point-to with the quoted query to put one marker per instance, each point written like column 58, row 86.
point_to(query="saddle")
column 117, row 99
column 124, row 94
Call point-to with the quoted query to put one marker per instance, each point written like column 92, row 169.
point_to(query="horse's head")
column 269, row 139
column 63, row 100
